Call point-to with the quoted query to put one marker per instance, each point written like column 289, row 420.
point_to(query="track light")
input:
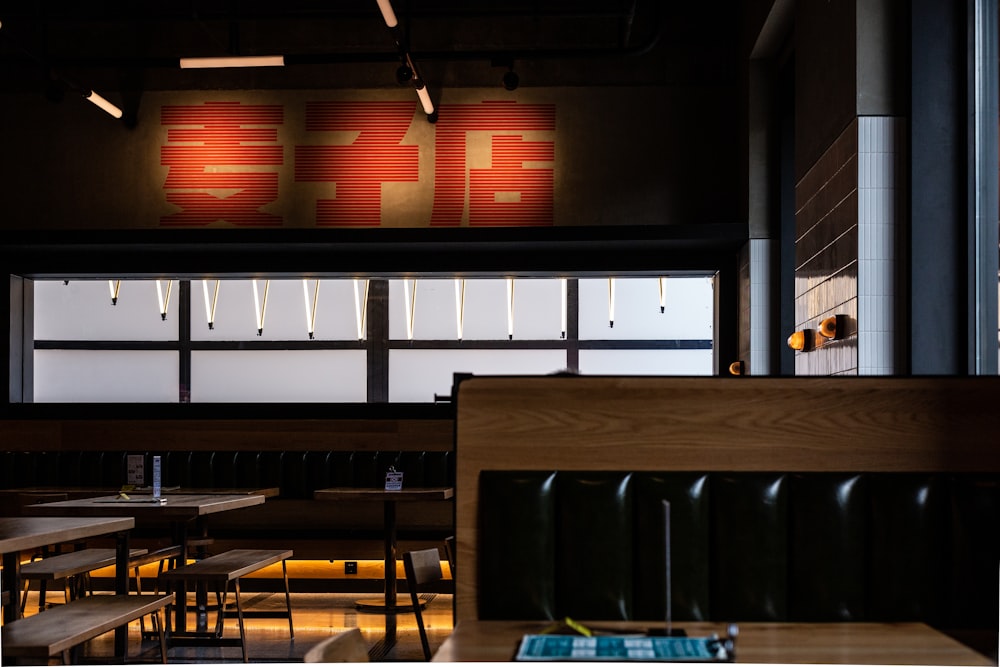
column 99, row 101
column 361, row 308
column 564, row 289
column 410, row 304
column 310, row 312
column 385, row 6
column 232, row 61
column 164, row 298
column 459, row 307
column 260, row 307
column 611, row 302
column 210, row 306
column 510, row 309
column 425, row 100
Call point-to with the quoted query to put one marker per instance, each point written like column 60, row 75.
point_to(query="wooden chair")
column 347, row 646
column 422, row 567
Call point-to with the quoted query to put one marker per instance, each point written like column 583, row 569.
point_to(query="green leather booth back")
column 745, row 546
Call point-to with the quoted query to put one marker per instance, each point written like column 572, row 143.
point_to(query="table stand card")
column 393, row 480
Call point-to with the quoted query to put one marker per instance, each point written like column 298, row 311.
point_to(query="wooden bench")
column 218, row 571
column 67, row 566
column 55, row 632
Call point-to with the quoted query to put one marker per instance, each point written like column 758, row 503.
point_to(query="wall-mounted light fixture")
column 737, row 368
column 801, row 340
column 163, row 297
column 210, row 304
column 459, row 307
column 662, row 284
column 611, row 302
column 831, row 327
column 260, row 305
column 410, row 303
column 361, row 307
column 310, row 306
column 510, row 309
column 113, row 287
column 232, row 61
column 102, row 103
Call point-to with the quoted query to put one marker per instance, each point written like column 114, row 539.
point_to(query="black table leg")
column 389, row 603
column 121, row 588
column 12, row 583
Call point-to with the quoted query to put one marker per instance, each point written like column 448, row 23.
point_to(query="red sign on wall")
column 224, row 161
column 221, row 146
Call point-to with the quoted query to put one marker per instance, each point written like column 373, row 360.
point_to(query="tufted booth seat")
column 746, row 546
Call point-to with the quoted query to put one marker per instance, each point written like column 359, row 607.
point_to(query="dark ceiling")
column 136, row 46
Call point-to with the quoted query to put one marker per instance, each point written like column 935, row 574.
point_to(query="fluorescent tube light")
column 232, row 61
column 103, row 103
column 390, row 16
column 425, row 99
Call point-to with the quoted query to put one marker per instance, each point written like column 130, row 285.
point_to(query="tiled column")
column 850, row 207
column 881, row 211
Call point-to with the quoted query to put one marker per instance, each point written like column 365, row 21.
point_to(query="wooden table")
column 19, row 534
column 388, row 499
column 179, row 510
column 787, row 643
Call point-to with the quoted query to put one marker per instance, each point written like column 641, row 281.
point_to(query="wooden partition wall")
column 887, row 424
column 228, row 434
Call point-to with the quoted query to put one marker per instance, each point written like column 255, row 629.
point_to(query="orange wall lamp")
column 830, row 328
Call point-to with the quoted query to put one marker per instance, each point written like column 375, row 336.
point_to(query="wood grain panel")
column 885, row 424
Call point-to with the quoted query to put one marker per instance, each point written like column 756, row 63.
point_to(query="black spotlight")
column 511, row 80
column 403, row 75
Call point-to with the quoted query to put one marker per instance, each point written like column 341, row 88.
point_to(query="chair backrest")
column 449, row 547
column 347, row 646
column 422, row 567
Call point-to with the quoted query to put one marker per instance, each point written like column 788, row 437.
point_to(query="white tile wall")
column 881, row 184
column 762, row 253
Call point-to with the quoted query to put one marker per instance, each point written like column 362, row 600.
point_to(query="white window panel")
column 688, row 309
column 105, row 376
column 279, row 376
column 415, row 376
column 645, row 362
column 82, row 310
column 537, row 309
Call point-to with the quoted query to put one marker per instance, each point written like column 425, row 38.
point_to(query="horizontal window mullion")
column 107, row 345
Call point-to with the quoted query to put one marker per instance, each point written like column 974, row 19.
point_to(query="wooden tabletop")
column 73, row 492
column 788, row 643
column 177, row 506
column 22, row 533
column 348, row 493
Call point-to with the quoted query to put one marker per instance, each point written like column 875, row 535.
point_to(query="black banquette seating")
column 292, row 514
column 746, row 546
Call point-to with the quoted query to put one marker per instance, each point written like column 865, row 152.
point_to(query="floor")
column 316, row 616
